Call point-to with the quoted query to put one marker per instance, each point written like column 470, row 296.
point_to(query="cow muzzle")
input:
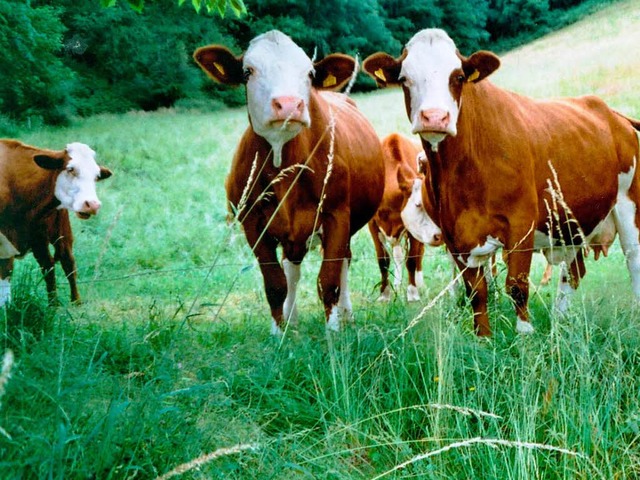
column 89, row 208
column 287, row 109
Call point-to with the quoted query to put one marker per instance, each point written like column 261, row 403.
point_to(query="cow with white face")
column 309, row 162
column 511, row 172
column 37, row 189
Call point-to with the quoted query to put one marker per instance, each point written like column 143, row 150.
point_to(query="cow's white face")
column 278, row 77
column 76, row 183
column 416, row 219
column 432, row 74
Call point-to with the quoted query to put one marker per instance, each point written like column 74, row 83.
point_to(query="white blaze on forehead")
column 431, row 58
column 278, row 68
column 77, row 184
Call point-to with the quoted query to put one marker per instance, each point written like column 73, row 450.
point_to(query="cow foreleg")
column 292, row 274
column 383, row 262
column 477, row 291
column 333, row 272
column 414, row 269
column 63, row 247
column 519, row 263
column 275, row 282
column 40, row 248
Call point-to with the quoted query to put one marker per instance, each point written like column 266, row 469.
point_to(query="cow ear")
column 383, row 68
column 104, row 173
column 49, row 162
column 480, row 65
column 220, row 64
column 334, row 71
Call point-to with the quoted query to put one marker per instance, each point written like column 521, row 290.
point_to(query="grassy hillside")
column 169, row 358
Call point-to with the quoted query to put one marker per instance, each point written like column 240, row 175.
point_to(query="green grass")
column 170, row 358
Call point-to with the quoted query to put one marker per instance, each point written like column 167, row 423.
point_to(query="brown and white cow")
column 309, row 162
column 387, row 227
column 37, row 189
column 511, row 172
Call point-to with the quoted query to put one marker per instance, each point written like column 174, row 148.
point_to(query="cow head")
column 432, row 74
column 77, row 174
column 279, row 78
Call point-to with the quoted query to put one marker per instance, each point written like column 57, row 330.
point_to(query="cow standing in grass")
column 387, row 227
column 309, row 162
column 514, row 173
column 37, row 189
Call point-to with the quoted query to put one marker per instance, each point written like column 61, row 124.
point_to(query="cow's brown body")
column 492, row 179
column 286, row 205
column 386, row 227
column 29, row 215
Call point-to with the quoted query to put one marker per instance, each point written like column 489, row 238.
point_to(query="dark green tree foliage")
column 34, row 82
column 131, row 61
column 59, row 58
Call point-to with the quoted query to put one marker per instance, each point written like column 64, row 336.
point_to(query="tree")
column 34, row 83
column 218, row 6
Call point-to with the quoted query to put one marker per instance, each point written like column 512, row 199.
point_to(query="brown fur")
column 29, row 217
column 400, row 167
column 286, row 215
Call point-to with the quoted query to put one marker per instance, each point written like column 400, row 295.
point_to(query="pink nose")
column 436, row 240
column 91, row 207
column 287, row 108
column 434, row 119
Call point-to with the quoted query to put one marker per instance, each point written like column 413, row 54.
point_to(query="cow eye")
column 460, row 78
column 247, row 72
column 71, row 171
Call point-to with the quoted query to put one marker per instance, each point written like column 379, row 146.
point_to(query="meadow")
column 167, row 368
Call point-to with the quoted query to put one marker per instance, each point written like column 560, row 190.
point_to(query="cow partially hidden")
column 309, row 162
column 37, row 189
column 387, row 227
column 512, row 172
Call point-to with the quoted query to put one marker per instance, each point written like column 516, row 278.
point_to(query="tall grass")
column 168, row 367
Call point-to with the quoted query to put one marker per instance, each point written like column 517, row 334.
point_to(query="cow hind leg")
column 6, row 268
column 519, row 263
column 627, row 220
column 292, row 275
column 414, row 269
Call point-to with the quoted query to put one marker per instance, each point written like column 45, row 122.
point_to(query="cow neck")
column 37, row 195
column 300, row 149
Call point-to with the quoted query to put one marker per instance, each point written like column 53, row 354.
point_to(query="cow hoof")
column 412, row 294
column 276, row 331
column 385, row 296
column 524, row 328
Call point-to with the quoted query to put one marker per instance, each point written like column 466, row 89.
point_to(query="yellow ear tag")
column 380, row 74
column 330, row 81
column 219, row 67
column 473, row 76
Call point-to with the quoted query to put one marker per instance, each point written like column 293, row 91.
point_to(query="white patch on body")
column 7, row 250
column 5, row 291
column 415, row 218
column 76, row 186
column 419, row 279
column 431, row 58
column 279, row 69
column 478, row 256
column 292, row 274
column 624, row 214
